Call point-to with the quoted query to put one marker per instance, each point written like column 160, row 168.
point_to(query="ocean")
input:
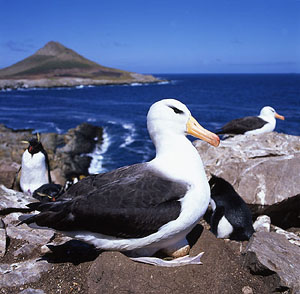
column 121, row 110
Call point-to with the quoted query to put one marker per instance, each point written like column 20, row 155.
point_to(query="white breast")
column 34, row 172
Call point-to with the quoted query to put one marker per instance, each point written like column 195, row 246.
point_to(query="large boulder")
column 272, row 255
column 264, row 169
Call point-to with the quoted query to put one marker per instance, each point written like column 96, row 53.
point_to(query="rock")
column 262, row 224
column 270, row 254
column 8, row 172
column 3, row 238
column 11, row 200
column 35, row 237
column 32, row 291
column 79, row 141
column 264, row 169
column 113, row 272
column 247, row 290
column 290, row 236
column 21, row 273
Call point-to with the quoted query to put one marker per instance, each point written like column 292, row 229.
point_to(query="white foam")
column 136, row 84
column 96, row 165
column 129, row 137
column 163, row 83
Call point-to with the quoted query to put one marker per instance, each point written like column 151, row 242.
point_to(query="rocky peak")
column 53, row 48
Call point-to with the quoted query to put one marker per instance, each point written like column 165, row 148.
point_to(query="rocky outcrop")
column 47, row 261
column 67, row 152
column 273, row 256
column 264, row 170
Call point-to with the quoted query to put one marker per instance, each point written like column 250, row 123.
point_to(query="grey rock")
column 13, row 200
column 32, row 291
column 290, row 236
column 32, row 236
column 247, row 290
column 8, row 172
column 271, row 254
column 264, row 169
column 262, row 224
column 18, row 274
column 3, row 238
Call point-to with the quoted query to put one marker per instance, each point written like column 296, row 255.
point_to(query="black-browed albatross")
column 263, row 123
column 145, row 207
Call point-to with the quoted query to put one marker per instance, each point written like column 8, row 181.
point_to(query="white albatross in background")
column 146, row 207
column 264, row 123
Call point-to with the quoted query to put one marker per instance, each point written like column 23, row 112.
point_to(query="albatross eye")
column 176, row 110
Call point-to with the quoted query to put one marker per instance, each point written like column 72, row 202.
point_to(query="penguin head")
column 35, row 146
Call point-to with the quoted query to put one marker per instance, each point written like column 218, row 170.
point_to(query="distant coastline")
column 55, row 65
column 15, row 84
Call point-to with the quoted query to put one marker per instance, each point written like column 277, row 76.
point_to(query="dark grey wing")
column 129, row 202
column 242, row 125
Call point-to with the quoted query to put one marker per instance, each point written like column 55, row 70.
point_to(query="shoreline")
column 70, row 82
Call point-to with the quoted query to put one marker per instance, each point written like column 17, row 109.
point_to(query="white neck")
column 178, row 159
column 269, row 118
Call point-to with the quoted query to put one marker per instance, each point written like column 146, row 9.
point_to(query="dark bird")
column 144, row 207
column 48, row 192
column 263, row 123
column 231, row 217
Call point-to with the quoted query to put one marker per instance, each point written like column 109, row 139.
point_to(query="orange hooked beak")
column 279, row 116
column 196, row 130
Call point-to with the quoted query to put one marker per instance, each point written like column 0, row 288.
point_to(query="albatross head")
column 169, row 117
column 269, row 112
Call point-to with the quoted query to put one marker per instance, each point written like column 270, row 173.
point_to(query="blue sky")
column 210, row 36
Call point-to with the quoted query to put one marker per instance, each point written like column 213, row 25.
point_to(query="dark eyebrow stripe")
column 176, row 110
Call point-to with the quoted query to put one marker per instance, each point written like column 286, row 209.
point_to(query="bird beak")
column 25, row 142
column 196, row 130
column 279, row 116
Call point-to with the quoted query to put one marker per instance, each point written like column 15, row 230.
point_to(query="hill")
column 55, row 61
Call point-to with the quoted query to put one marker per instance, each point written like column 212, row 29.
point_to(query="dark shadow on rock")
column 73, row 251
column 285, row 214
column 194, row 235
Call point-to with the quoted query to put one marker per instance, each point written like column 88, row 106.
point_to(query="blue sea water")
column 121, row 110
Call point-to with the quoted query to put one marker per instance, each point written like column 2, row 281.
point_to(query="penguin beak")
column 25, row 142
column 279, row 116
column 196, row 130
